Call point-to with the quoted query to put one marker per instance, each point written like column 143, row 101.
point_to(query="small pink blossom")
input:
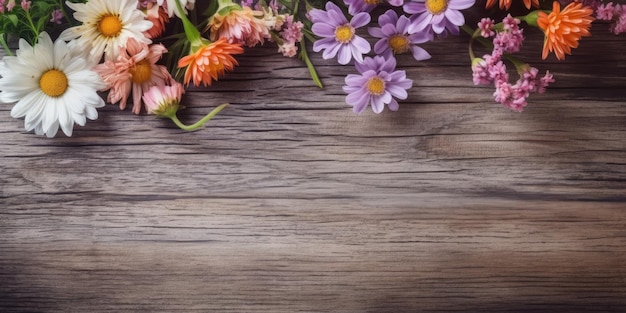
column 510, row 39
column 10, row 5
column 288, row 49
column 26, row 5
column 614, row 13
column 57, row 16
column 163, row 100
column 486, row 27
column 292, row 31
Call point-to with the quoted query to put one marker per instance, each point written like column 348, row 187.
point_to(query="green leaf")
column 305, row 57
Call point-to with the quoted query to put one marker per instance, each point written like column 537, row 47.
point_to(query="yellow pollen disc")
column 141, row 72
column 399, row 44
column 372, row 1
column 376, row 86
column 110, row 25
column 53, row 83
column 344, row 33
column 436, row 6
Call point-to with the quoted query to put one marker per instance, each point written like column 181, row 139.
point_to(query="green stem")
column 193, row 35
column 305, row 57
column 62, row 8
column 32, row 27
column 5, row 46
column 199, row 123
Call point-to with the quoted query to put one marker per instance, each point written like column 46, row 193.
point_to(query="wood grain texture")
column 288, row 202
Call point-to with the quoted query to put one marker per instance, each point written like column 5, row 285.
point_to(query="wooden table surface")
column 289, row 202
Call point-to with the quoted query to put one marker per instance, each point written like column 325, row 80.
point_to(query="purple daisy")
column 339, row 35
column 378, row 83
column 396, row 37
column 440, row 15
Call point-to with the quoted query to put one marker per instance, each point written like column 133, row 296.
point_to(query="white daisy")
column 53, row 85
column 107, row 25
column 171, row 6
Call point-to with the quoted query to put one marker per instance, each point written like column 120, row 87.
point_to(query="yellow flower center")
column 141, row 72
column 344, row 33
column 436, row 6
column 372, row 1
column 110, row 25
column 399, row 44
column 53, row 83
column 376, row 86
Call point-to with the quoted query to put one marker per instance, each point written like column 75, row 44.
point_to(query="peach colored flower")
column 506, row 4
column 135, row 70
column 209, row 61
column 239, row 25
column 159, row 18
column 563, row 29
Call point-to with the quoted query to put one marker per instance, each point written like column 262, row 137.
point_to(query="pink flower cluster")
column 11, row 4
column 288, row 31
column 491, row 68
column 615, row 13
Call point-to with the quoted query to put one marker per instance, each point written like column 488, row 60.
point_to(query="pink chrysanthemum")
column 135, row 70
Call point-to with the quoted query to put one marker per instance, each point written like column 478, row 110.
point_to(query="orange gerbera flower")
column 209, row 61
column 506, row 4
column 564, row 28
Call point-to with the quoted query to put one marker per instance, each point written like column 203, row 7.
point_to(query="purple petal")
column 419, row 53
column 393, row 105
column 362, row 45
column 455, row 17
column 336, row 17
column 420, row 37
column 323, row 30
column 440, row 26
column 331, row 51
column 389, row 30
column 386, row 97
column 324, row 43
column 377, row 104
column 381, row 46
column 356, row 80
column 359, row 101
column 390, row 17
column 397, row 91
column 318, row 15
column 375, row 32
column 420, row 22
column 360, row 20
column 345, row 54
column 460, row 4
column 389, row 65
column 414, row 7
column 402, row 26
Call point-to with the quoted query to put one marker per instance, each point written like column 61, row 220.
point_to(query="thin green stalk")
column 305, row 57
column 32, row 27
column 5, row 46
column 199, row 123
column 62, row 8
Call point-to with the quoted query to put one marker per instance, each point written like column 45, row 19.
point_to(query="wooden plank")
column 288, row 202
